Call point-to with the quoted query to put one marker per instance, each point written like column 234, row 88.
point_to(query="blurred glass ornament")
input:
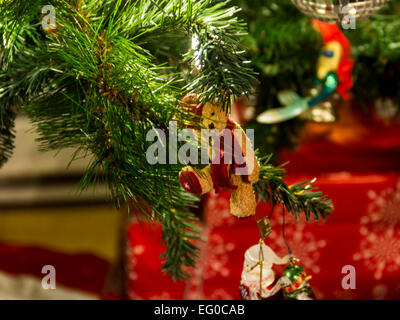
column 243, row 109
column 333, row 78
column 335, row 11
column 297, row 282
column 324, row 112
column 386, row 109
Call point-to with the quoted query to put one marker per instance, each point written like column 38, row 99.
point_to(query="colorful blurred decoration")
column 333, row 11
column 285, row 55
column 258, row 276
column 299, row 287
column 334, row 68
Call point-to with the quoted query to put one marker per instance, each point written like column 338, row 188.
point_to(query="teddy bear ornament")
column 232, row 163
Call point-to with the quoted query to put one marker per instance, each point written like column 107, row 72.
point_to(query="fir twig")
column 299, row 198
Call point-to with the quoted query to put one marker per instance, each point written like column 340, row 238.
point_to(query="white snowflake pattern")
column 133, row 254
column 218, row 210
column 380, row 244
column 218, row 257
column 384, row 210
column 194, row 284
column 379, row 251
column 304, row 245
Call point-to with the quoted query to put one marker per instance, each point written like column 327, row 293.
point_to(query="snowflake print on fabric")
column 380, row 246
column 194, row 284
column 132, row 254
column 380, row 251
column 218, row 257
column 218, row 209
column 384, row 210
column 304, row 244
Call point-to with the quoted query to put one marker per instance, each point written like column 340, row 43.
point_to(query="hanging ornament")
column 264, row 227
column 233, row 165
column 386, row 109
column 258, row 278
column 332, row 11
column 294, row 279
column 243, row 110
column 296, row 282
column 333, row 79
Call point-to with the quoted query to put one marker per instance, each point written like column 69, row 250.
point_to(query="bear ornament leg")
column 196, row 181
column 243, row 201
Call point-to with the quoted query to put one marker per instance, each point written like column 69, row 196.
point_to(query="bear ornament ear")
column 219, row 174
column 189, row 112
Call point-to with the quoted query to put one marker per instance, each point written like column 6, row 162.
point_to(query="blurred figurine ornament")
column 233, row 164
column 296, row 281
column 334, row 78
column 336, row 11
column 386, row 110
column 243, row 109
column 258, row 278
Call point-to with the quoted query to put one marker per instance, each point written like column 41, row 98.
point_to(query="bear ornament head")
column 197, row 115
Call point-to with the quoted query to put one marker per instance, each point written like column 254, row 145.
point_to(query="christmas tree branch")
column 178, row 233
column 10, row 91
column 297, row 199
column 376, row 49
column 107, row 75
column 98, row 83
